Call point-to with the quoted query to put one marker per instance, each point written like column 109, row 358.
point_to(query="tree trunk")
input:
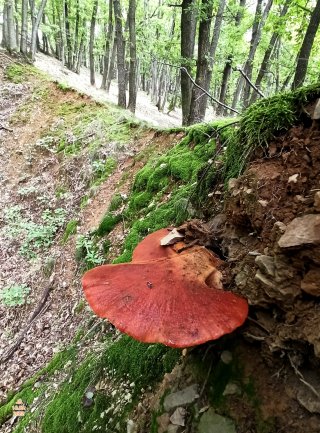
column 188, row 33
column 11, row 42
column 111, row 69
column 253, row 48
column 24, row 27
column 109, row 38
column 76, row 38
column 120, row 55
column 91, row 42
column 133, row 55
column 224, row 85
column 35, row 28
column 68, row 35
column 212, row 53
column 197, row 99
column 305, row 50
column 267, row 55
column 5, row 35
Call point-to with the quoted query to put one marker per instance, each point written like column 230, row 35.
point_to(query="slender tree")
column 109, row 37
column 91, row 42
column 35, row 26
column 120, row 55
column 188, row 33
column 197, row 99
column 133, row 56
column 305, row 50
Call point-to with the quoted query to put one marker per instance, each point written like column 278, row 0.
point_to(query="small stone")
column 210, row 422
column 311, row 282
column 163, row 421
column 173, row 428
column 316, row 202
column 316, row 112
column 232, row 389
column 263, row 203
column 178, row 416
column 130, row 426
column 226, row 357
column 293, row 178
column 265, row 264
column 181, row 398
column 302, row 231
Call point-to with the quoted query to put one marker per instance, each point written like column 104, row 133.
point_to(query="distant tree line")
column 178, row 51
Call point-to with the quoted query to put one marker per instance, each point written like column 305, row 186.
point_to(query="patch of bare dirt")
column 269, row 232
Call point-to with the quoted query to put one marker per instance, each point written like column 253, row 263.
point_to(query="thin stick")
column 40, row 308
column 249, row 81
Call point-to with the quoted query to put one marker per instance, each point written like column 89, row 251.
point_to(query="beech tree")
column 146, row 46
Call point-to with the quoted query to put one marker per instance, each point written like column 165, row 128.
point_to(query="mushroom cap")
column 150, row 249
column 166, row 300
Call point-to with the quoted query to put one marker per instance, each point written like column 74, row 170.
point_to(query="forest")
column 159, row 216
column 192, row 54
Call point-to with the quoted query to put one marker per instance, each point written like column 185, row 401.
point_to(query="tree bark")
column 10, row 39
column 24, row 27
column 267, row 55
column 133, row 57
column 253, row 48
column 120, row 55
column 35, row 28
column 188, row 33
column 91, row 42
column 305, row 50
column 197, row 99
column 212, row 53
column 68, row 35
column 224, row 85
column 109, row 38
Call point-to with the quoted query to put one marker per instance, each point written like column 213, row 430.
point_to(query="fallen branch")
column 4, row 127
column 182, row 68
column 249, row 81
column 40, row 308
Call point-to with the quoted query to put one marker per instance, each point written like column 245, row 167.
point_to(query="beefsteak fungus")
column 165, row 300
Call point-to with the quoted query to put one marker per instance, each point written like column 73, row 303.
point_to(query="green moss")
column 102, row 170
column 116, row 202
column 108, row 223
column 120, row 363
column 18, row 73
column 261, row 122
column 70, row 230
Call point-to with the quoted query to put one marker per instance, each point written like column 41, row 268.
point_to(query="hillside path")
column 81, row 82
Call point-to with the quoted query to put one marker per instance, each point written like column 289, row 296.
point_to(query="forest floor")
column 40, row 191
column 145, row 110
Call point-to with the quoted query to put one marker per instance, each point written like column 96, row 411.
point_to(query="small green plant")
column 88, row 252
column 13, row 296
column 15, row 73
column 70, row 230
column 63, row 87
column 102, row 169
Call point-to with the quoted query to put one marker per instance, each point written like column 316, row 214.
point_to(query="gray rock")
column 178, row 416
column 232, row 389
column 210, row 422
column 173, row 428
column 226, row 357
column 316, row 113
column 265, row 264
column 302, row 231
column 180, row 398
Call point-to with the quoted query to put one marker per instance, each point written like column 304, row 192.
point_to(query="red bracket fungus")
column 165, row 297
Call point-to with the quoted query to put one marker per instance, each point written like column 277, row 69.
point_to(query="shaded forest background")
column 188, row 54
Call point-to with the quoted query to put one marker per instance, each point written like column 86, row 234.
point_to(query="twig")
column 4, row 127
column 302, row 379
column 207, row 93
column 40, row 308
column 182, row 68
column 249, row 81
